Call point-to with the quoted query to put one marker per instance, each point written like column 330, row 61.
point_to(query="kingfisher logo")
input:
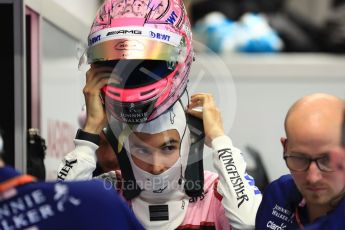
column 159, row 36
column 133, row 32
column 94, row 40
column 225, row 155
column 65, row 170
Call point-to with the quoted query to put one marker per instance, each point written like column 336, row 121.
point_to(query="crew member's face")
column 155, row 153
column 316, row 186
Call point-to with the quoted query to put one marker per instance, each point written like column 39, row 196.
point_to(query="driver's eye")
column 141, row 151
column 169, row 149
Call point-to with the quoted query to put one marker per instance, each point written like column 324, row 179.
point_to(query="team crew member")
column 28, row 204
column 312, row 197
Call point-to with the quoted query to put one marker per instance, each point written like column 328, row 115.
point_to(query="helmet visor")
column 133, row 74
column 142, row 48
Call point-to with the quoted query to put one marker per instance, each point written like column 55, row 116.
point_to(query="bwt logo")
column 272, row 225
column 160, row 36
column 94, row 40
column 135, row 32
column 172, row 18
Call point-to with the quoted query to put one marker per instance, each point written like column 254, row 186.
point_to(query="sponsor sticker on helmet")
column 135, row 31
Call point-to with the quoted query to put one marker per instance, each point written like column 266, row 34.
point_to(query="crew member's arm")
column 240, row 197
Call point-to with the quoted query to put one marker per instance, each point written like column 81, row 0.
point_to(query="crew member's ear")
column 283, row 141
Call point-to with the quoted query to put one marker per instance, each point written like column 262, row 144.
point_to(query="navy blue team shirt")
column 61, row 205
column 278, row 208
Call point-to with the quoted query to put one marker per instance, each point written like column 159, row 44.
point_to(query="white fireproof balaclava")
column 162, row 202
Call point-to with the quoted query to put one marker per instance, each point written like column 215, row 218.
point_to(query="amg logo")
column 136, row 32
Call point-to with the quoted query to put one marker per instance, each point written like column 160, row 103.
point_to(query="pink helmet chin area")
column 145, row 103
column 157, row 30
column 144, row 93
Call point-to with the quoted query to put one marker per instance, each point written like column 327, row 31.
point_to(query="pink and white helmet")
column 149, row 45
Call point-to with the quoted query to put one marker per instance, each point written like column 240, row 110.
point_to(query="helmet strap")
column 194, row 174
column 130, row 187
